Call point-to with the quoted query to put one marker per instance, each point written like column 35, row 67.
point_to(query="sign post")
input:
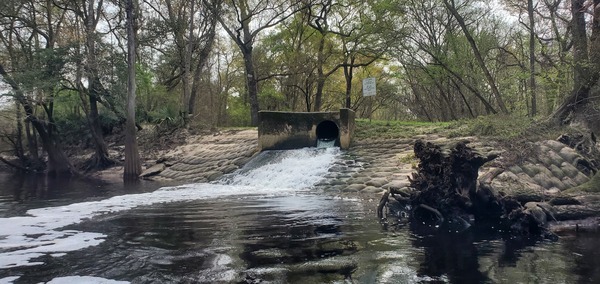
column 368, row 87
column 369, row 90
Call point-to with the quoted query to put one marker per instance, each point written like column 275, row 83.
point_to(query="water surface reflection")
column 21, row 192
column 300, row 238
column 293, row 237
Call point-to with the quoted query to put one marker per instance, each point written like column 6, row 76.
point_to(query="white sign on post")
column 369, row 88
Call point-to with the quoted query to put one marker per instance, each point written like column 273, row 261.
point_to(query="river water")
column 267, row 223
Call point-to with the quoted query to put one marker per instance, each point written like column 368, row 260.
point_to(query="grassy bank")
column 395, row 129
column 497, row 127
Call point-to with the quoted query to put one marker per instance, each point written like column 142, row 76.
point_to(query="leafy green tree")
column 451, row 6
column 90, row 13
column 30, row 32
column 191, row 26
column 244, row 21
column 294, row 47
column 586, row 53
column 439, row 65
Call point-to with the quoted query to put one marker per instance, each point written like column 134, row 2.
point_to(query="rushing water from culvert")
column 264, row 224
column 325, row 143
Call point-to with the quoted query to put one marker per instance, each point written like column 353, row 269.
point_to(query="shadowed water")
column 238, row 232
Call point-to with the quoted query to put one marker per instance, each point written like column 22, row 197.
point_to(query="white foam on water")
column 7, row 280
column 25, row 238
column 399, row 273
column 84, row 279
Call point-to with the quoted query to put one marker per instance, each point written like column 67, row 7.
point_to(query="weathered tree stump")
column 446, row 193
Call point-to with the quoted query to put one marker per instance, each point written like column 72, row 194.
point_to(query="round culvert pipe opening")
column 327, row 130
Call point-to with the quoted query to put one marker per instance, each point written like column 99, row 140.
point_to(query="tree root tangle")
column 446, row 194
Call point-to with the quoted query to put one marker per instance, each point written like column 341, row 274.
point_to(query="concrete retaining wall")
column 290, row 130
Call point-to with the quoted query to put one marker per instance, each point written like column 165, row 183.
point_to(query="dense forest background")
column 211, row 63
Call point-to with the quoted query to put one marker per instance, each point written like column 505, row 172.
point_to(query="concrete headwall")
column 291, row 130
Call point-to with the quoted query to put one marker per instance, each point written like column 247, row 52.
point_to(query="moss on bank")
column 593, row 185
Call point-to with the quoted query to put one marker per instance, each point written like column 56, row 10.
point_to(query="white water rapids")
column 41, row 232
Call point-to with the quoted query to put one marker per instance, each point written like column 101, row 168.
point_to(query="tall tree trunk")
column 251, row 18
column 100, row 159
column 32, row 144
column 586, row 69
column 202, row 58
column 490, row 80
column 532, row 87
column 19, row 152
column 58, row 163
column 580, row 46
column 246, row 46
column 251, row 84
column 187, row 77
column 319, row 92
column 320, row 74
column 133, row 166
column 348, row 74
column 194, row 91
column 595, row 43
column 307, row 101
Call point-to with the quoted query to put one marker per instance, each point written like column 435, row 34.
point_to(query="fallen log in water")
column 446, row 193
column 591, row 224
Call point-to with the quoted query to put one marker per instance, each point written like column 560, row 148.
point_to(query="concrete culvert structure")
column 278, row 130
column 327, row 130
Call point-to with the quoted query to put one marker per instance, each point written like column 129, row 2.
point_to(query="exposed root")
column 446, row 191
column 98, row 163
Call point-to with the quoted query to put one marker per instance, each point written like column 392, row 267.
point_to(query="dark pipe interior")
column 327, row 130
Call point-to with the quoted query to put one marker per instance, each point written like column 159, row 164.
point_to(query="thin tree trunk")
column 420, row 103
column 477, row 53
column 418, row 99
column 252, row 85
column 488, row 107
column 19, row 152
column 202, row 58
column 448, row 107
column 133, row 166
column 320, row 74
column 463, row 98
column 532, row 87
column 306, row 94
column 348, row 74
column 595, row 43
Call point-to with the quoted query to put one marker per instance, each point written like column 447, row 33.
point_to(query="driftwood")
column 445, row 193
